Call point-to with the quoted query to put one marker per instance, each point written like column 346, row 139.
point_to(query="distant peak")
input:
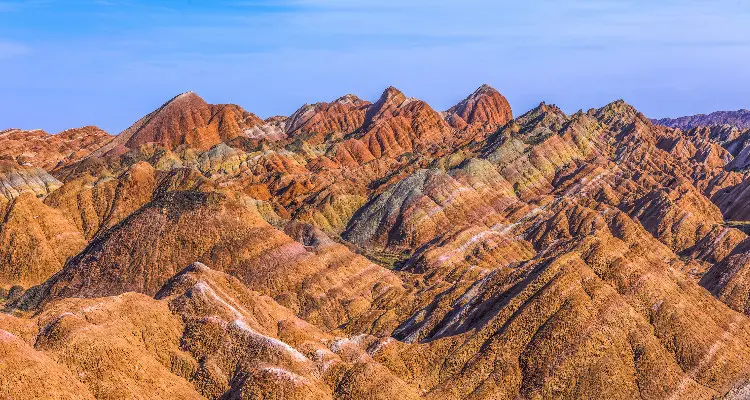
column 391, row 90
column 485, row 89
column 186, row 96
column 347, row 99
column 390, row 101
column 484, row 105
column 619, row 106
column 392, row 95
column 619, row 112
column 544, row 108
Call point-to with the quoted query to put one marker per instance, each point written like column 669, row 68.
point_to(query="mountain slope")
column 184, row 120
column 387, row 250
column 49, row 152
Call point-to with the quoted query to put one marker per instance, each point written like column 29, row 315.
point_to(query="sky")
column 73, row 63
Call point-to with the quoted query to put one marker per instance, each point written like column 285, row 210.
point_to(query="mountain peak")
column 171, row 124
column 485, row 88
column 185, row 97
column 185, row 119
column 619, row 112
column 391, row 91
column 391, row 100
column 484, row 106
column 391, row 95
column 348, row 99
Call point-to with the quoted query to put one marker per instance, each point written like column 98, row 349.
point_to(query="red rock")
column 50, row 152
column 486, row 106
column 185, row 120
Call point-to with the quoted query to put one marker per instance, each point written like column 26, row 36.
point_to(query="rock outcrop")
column 16, row 179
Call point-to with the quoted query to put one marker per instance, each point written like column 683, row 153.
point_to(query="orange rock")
column 50, row 152
column 35, row 242
column 486, row 106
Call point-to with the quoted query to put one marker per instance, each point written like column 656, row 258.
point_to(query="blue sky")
column 108, row 62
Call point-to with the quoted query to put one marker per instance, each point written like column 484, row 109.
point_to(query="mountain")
column 40, row 149
column 485, row 106
column 381, row 249
column 739, row 119
column 184, row 120
column 344, row 115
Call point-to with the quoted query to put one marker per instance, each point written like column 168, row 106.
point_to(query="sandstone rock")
column 485, row 106
column 40, row 149
column 35, row 242
column 185, row 120
column 16, row 179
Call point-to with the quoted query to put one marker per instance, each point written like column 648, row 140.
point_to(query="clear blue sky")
column 108, row 62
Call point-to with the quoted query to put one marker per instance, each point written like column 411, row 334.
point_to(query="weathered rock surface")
column 16, row 179
column 40, row 149
column 35, row 242
column 486, row 106
column 185, row 120
column 382, row 250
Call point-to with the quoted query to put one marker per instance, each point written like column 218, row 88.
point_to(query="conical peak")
column 348, row 99
column 392, row 95
column 484, row 90
column 618, row 110
column 484, row 105
column 390, row 101
column 186, row 97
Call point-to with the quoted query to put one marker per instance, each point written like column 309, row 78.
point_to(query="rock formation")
column 40, row 149
column 377, row 250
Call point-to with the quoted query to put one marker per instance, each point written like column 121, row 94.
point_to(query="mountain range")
column 377, row 250
column 739, row 119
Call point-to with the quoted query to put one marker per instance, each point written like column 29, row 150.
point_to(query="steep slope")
column 429, row 202
column 35, row 242
column 677, row 215
column 250, row 345
column 116, row 347
column 733, row 200
column 605, row 304
column 328, row 285
column 729, row 279
column 96, row 204
column 26, row 373
column 208, row 336
column 184, row 120
column 485, row 106
column 385, row 250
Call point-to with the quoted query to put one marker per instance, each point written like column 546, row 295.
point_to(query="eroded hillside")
column 379, row 250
